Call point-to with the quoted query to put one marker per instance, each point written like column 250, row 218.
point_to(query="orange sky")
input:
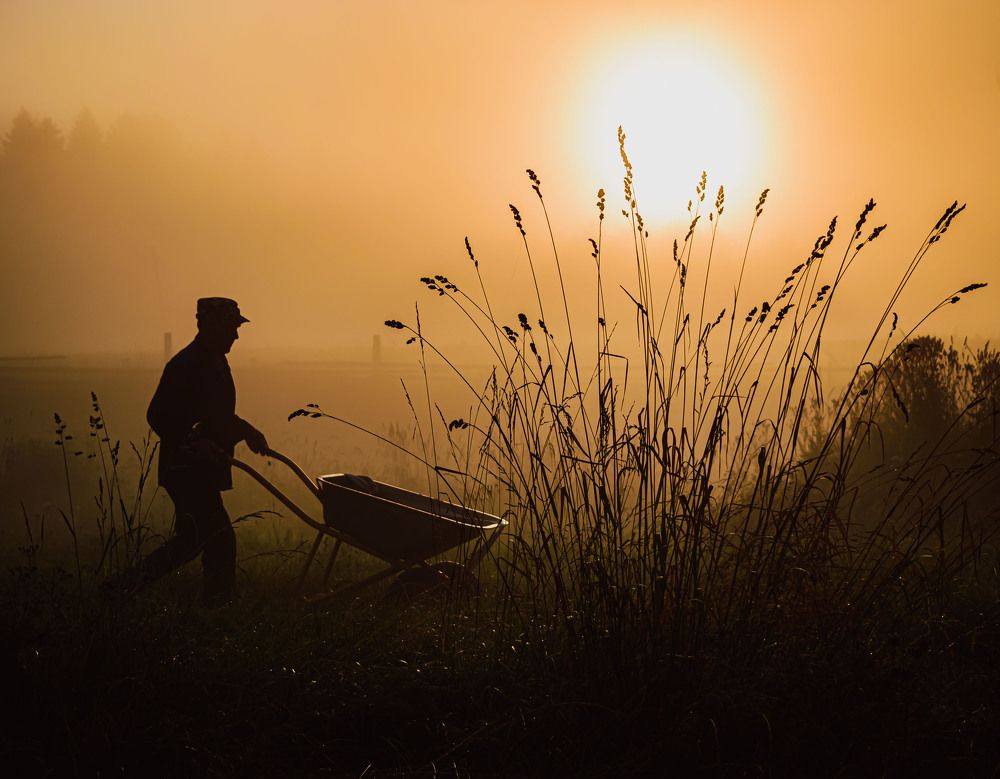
column 384, row 132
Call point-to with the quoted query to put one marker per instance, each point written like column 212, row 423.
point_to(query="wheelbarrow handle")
column 295, row 468
column 263, row 481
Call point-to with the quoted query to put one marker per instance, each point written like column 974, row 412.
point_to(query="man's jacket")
column 196, row 399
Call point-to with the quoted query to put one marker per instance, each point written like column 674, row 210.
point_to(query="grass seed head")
column 947, row 213
column 760, row 202
column 517, row 219
column 468, row 249
column 876, row 233
column 869, row 207
column 690, row 232
column 624, row 155
column 536, row 183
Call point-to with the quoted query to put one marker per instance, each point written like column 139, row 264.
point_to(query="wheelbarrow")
column 403, row 529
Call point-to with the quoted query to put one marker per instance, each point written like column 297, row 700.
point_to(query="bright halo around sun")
column 684, row 109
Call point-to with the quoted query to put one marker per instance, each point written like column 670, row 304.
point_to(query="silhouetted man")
column 194, row 413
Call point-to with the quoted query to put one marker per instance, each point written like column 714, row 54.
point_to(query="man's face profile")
column 221, row 335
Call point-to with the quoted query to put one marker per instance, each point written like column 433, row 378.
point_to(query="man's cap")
column 220, row 310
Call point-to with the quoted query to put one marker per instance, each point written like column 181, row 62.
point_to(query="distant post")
column 168, row 347
column 376, row 349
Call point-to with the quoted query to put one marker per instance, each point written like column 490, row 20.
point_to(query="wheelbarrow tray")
column 395, row 523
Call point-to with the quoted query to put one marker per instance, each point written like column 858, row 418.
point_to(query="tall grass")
column 107, row 521
column 690, row 484
column 122, row 520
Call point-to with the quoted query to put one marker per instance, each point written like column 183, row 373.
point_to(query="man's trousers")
column 202, row 527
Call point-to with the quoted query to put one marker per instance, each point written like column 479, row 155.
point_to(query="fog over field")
column 313, row 165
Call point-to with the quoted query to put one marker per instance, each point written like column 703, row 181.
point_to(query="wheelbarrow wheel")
column 442, row 578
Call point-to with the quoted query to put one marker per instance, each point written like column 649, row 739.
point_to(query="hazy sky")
column 385, row 132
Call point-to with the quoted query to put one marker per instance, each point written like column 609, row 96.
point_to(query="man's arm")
column 253, row 437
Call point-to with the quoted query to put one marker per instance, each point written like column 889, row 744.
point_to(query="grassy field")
column 712, row 568
column 269, row 685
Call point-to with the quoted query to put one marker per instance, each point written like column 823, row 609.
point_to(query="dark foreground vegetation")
column 161, row 687
column 712, row 569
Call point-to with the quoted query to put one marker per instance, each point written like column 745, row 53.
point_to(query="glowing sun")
column 684, row 109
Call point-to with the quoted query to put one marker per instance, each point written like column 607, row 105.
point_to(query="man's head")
column 218, row 322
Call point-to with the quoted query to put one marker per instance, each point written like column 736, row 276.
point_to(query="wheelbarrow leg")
column 309, row 559
column 331, row 561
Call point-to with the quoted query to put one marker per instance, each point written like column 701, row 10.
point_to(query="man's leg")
column 201, row 526
column 185, row 543
column 219, row 556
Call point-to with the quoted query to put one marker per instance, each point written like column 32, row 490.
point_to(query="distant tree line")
column 93, row 220
column 36, row 147
column 52, row 179
column 110, row 227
